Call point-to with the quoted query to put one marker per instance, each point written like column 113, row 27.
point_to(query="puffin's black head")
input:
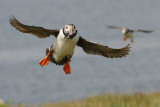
column 124, row 30
column 69, row 31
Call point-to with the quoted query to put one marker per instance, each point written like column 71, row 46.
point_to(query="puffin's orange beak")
column 71, row 30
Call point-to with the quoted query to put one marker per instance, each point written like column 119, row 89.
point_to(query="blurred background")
column 22, row 79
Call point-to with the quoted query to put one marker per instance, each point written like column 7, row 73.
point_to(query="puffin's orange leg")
column 124, row 39
column 45, row 60
column 67, row 68
column 132, row 40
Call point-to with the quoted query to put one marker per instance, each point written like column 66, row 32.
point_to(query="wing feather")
column 37, row 31
column 144, row 31
column 115, row 27
column 98, row 49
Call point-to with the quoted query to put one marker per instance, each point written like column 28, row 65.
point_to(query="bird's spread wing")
column 98, row 49
column 37, row 31
column 145, row 31
column 115, row 27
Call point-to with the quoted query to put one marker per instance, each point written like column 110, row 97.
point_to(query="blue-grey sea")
column 23, row 80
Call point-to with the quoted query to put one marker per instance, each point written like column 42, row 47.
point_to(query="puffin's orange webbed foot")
column 45, row 60
column 67, row 68
column 132, row 40
column 124, row 39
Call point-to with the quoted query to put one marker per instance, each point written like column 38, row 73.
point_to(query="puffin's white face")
column 124, row 30
column 69, row 31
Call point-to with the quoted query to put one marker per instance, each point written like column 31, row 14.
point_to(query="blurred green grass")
column 106, row 100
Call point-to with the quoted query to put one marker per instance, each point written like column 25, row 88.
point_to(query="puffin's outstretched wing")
column 98, row 49
column 37, row 31
column 144, row 31
column 115, row 27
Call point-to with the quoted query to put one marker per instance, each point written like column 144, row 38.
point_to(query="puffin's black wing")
column 98, row 49
column 115, row 27
column 144, row 31
column 37, row 31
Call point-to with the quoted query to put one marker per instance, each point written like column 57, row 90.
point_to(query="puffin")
column 128, row 33
column 67, row 38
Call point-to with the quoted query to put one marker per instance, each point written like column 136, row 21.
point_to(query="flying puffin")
column 128, row 32
column 61, row 51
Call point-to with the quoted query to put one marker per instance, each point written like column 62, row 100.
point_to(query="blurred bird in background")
column 128, row 33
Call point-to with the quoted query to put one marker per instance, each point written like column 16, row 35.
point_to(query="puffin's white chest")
column 64, row 47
